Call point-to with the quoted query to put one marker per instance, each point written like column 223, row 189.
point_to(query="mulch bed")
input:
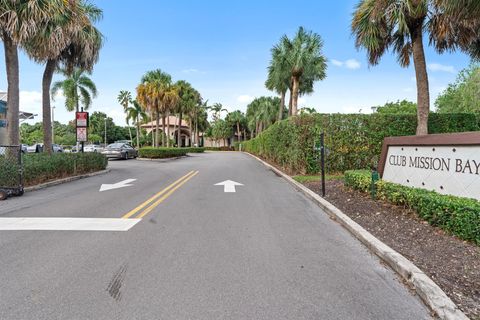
column 452, row 263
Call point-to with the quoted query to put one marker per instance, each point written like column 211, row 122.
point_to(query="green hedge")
column 354, row 141
column 460, row 216
column 162, row 153
column 220, row 148
column 39, row 167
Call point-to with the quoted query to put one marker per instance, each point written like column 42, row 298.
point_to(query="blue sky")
column 223, row 49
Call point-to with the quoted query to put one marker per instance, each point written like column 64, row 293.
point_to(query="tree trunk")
column 282, row 105
column 13, row 90
column 130, row 133
column 163, row 130
column 295, row 89
column 179, row 133
column 157, row 126
column 238, row 132
column 138, row 132
column 46, row 109
column 152, row 131
column 423, row 94
column 168, row 128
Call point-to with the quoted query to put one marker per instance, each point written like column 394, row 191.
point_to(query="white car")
column 92, row 148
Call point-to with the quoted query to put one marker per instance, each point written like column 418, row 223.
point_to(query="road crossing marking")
column 175, row 185
column 66, row 224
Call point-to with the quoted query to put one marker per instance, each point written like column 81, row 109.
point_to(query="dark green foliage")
column 162, row 153
column 219, row 148
column 353, row 141
column 459, row 216
column 41, row 167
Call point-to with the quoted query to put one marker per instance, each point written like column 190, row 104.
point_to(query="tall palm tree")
column 19, row 21
column 69, row 38
column 125, row 98
column 136, row 113
column 236, row 119
column 169, row 102
column 151, row 92
column 302, row 56
column 189, row 99
column 78, row 89
column 400, row 25
column 279, row 76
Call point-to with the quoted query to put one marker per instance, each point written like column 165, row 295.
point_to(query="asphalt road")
column 263, row 252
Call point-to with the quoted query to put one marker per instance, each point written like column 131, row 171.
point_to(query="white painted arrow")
column 229, row 185
column 121, row 184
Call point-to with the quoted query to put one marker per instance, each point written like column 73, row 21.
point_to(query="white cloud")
column 337, row 63
column 302, row 101
column 30, row 101
column 351, row 64
column 245, row 98
column 441, row 67
column 192, row 70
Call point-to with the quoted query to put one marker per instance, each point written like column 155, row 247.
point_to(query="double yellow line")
column 158, row 198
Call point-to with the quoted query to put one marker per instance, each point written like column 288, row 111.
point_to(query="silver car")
column 92, row 148
column 120, row 151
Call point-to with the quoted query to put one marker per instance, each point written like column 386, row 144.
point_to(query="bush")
column 42, row 167
column 353, row 141
column 195, row 150
column 459, row 216
column 219, row 148
column 162, row 152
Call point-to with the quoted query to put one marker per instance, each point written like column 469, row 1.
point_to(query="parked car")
column 35, row 148
column 93, row 148
column 57, row 148
column 24, row 147
column 120, row 151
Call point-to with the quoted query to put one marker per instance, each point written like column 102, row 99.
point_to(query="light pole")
column 53, row 125
column 105, row 141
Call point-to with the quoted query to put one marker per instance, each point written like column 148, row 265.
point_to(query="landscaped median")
column 164, row 153
column 459, row 216
column 41, row 168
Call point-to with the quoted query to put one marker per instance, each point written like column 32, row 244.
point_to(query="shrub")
column 459, row 216
column 195, row 150
column 162, row 152
column 220, row 148
column 42, row 167
column 353, row 141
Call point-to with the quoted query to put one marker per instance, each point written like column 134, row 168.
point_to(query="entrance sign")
column 82, row 119
column 445, row 163
column 82, row 135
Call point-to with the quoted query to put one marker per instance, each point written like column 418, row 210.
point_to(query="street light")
column 105, row 141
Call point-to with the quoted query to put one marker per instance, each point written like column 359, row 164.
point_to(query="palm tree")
column 19, row 21
column 77, row 88
column 279, row 76
column 303, row 58
column 69, row 38
column 236, row 118
column 189, row 98
column 217, row 109
column 400, row 25
column 135, row 113
column 151, row 92
column 125, row 98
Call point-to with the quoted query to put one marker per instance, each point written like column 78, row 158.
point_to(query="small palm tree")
column 136, row 113
column 125, row 98
column 77, row 88
column 236, row 118
column 217, row 110
column 401, row 24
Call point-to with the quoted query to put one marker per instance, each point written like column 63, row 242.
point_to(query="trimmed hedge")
column 353, row 140
column 162, row 152
column 459, row 216
column 39, row 167
column 220, row 148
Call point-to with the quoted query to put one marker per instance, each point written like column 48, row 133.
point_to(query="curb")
column 161, row 160
column 431, row 294
column 64, row 180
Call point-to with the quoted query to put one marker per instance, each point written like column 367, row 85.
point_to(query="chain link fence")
column 11, row 171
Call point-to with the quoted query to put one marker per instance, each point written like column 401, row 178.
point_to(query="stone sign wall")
column 447, row 164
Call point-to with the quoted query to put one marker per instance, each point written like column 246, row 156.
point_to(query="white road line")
column 67, row 224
